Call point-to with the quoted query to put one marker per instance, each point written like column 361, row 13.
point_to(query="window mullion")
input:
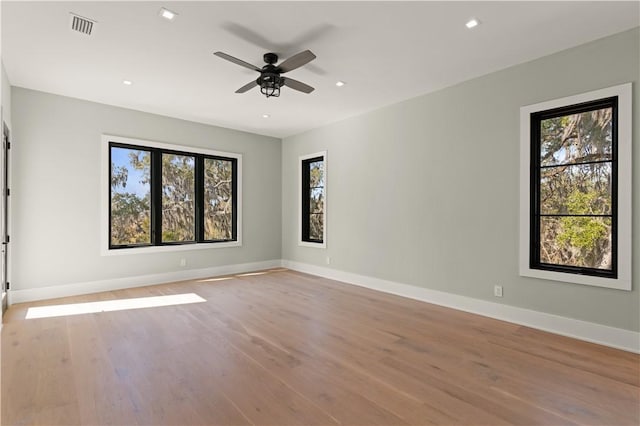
column 156, row 197
column 234, row 200
column 199, row 198
column 306, row 195
column 614, row 186
column 110, row 230
column 534, row 241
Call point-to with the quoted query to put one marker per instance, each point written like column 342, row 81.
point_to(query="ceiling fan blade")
column 247, row 87
column 237, row 61
column 297, row 61
column 297, row 85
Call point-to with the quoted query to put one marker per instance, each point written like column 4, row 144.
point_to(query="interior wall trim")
column 76, row 289
column 583, row 330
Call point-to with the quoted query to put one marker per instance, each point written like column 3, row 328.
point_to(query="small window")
column 313, row 178
column 575, row 189
column 161, row 196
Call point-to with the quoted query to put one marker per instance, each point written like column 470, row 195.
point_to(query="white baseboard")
column 75, row 289
column 591, row 332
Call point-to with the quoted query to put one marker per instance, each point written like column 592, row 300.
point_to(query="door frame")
column 4, row 216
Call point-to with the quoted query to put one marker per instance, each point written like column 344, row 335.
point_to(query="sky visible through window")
column 120, row 158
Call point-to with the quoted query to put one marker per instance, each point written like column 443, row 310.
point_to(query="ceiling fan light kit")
column 270, row 80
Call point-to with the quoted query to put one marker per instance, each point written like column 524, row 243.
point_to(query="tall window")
column 178, row 198
column 219, row 199
column 575, row 204
column 574, row 197
column 130, row 210
column 313, row 195
column 159, row 196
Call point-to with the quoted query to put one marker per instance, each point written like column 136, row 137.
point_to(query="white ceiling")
column 385, row 52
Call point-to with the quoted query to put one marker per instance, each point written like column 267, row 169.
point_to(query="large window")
column 575, row 189
column 313, row 178
column 166, row 196
column 573, row 199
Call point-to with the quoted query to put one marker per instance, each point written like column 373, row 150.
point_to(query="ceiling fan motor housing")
column 270, row 58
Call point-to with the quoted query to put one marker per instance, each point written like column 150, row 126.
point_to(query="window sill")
column 614, row 283
column 169, row 248
column 314, row 245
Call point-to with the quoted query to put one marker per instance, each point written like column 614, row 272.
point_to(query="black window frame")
column 156, row 196
column 306, row 199
column 536, row 119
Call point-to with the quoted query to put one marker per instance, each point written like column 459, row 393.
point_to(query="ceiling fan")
column 270, row 80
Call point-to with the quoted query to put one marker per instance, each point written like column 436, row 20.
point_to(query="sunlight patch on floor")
column 112, row 305
column 246, row 274
column 251, row 274
column 206, row 280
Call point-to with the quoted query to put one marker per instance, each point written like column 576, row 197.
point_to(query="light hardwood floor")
column 284, row 348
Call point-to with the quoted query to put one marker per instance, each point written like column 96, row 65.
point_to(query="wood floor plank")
column 285, row 348
column 307, row 374
column 44, row 395
column 102, row 397
column 618, row 395
column 574, row 354
column 359, row 353
column 163, row 375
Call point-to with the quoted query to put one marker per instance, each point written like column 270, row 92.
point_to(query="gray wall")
column 5, row 96
column 56, row 191
column 425, row 192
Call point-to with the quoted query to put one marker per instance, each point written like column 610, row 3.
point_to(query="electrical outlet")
column 328, row 260
column 183, row 262
column 497, row 290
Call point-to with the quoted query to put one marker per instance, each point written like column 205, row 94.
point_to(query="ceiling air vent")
column 81, row 25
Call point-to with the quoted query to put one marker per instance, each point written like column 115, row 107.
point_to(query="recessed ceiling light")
column 127, row 82
column 167, row 14
column 340, row 83
column 265, row 116
column 472, row 23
